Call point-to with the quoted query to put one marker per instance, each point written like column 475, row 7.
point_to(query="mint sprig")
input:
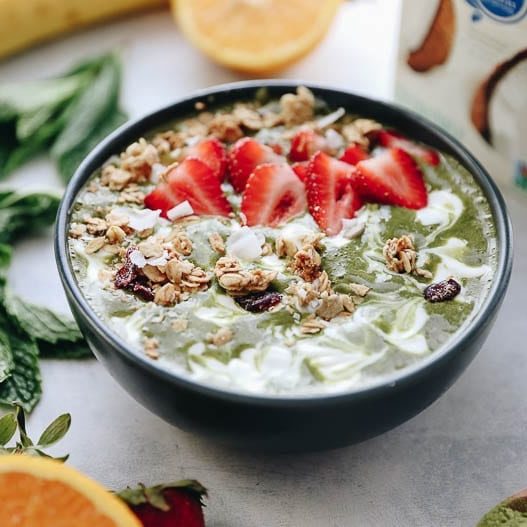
column 16, row 421
column 66, row 115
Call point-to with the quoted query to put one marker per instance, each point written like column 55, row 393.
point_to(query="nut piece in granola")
column 115, row 178
column 401, row 256
column 307, row 263
column 95, row 226
column 166, row 295
column 217, row 243
column 297, row 108
column 221, row 337
column 95, row 245
column 181, row 243
column 138, row 159
column 239, row 282
column 115, row 234
column 357, row 131
column 151, row 346
column 226, row 127
column 312, row 325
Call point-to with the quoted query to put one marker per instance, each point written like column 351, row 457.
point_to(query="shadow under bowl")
column 296, row 423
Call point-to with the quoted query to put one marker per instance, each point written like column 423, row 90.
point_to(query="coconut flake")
column 334, row 139
column 352, row 228
column 176, row 153
column 244, row 244
column 180, row 210
column 138, row 259
column 331, row 118
column 141, row 220
column 157, row 170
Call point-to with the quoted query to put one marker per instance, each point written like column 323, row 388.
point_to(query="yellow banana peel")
column 24, row 23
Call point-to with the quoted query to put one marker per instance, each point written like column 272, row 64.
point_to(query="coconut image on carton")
column 463, row 64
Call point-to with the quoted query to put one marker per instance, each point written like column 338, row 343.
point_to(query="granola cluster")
column 313, row 293
column 237, row 281
column 401, row 257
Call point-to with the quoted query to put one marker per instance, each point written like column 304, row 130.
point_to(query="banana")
column 24, row 23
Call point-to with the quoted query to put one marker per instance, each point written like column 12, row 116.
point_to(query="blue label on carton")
column 507, row 11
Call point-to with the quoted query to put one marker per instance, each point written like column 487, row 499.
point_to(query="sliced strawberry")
column 273, row 195
column 300, row 170
column 353, row 154
column 391, row 139
column 246, row 154
column 392, row 177
column 212, row 152
column 305, row 143
column 194, row 181
column 160, row 198
column 331, row 195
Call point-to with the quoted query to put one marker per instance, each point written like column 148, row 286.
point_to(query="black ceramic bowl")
column 286, row 423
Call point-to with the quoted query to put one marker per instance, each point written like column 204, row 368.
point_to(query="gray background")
column 445, row 467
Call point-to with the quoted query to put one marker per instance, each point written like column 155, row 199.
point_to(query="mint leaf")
column 8, row 428
column 59, row 113
column 6, row 357
column 64, row 350
column 22, row 213
column 57, row 336
column 55, row 431
column 68, row 162
column 90, row 108
column 23, row 386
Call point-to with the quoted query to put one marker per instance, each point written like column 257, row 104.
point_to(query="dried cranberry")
column 259, row 302
column 127, row 273
column 142, row 288
column 442, row 291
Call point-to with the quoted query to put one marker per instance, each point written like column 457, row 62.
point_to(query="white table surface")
column 444, row 467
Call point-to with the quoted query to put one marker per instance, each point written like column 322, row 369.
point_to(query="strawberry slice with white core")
column 391, row 139
column 392, row 177
column 331, row 194
column 273, row 195
column 246, row 154
column 305, row 143
column 212, row 152
column 193, row 181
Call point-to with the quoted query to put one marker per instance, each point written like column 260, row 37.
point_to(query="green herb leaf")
column 22, row 213
column 23, row 385
column 69, row 161
column 55, row 431
column 6, row 357
column 90, row 108
column 27, row 97
column 64, row 350
column 57, row 336
column 8, row 426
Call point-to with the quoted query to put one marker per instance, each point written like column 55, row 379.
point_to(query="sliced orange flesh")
column 36, row 492
column 256, row 36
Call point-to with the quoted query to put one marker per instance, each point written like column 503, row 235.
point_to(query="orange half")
column 45, row 493
column 255, row 36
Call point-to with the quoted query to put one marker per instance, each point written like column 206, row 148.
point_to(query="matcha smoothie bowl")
column 282, row 266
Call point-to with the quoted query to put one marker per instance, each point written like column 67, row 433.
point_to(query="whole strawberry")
column 176, row 504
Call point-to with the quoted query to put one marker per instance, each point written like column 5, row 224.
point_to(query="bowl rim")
column 405, row 376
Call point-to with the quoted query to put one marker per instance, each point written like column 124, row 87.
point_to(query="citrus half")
column 256, row 36
column 45, row 493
